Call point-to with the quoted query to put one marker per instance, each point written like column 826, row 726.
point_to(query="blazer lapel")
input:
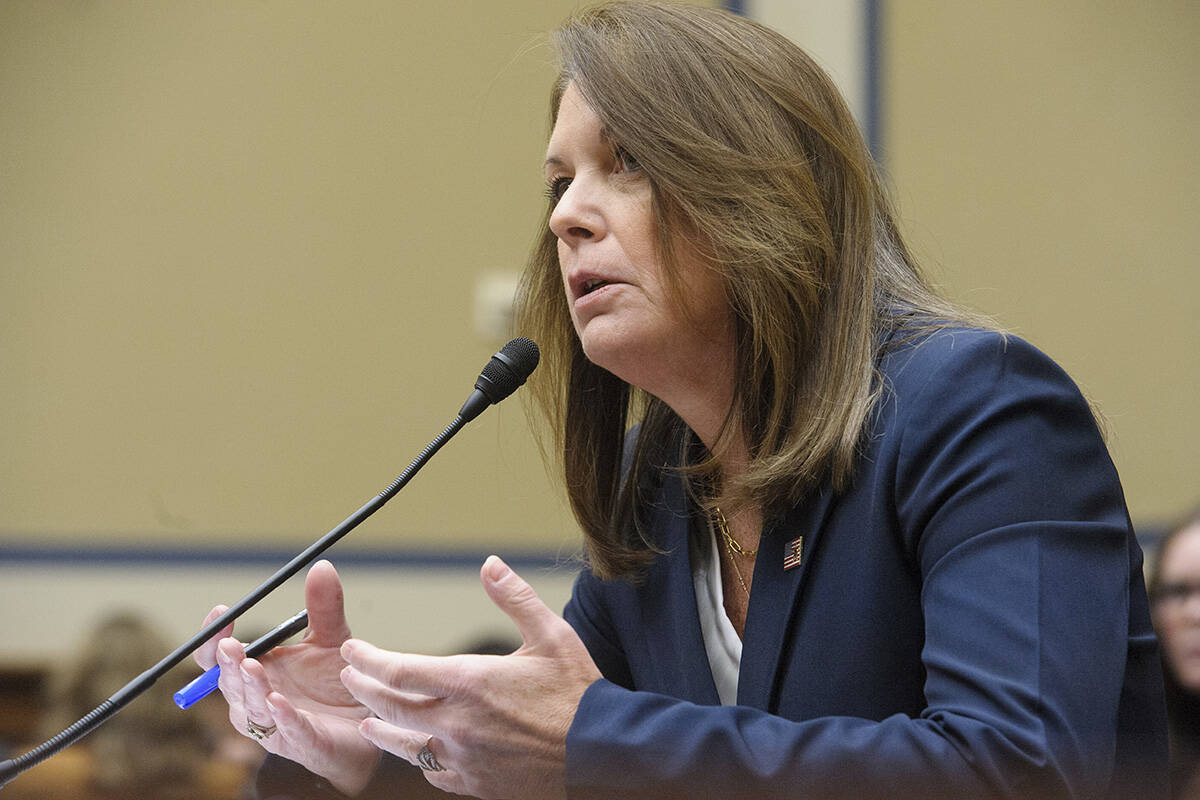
column 669, row 601
column 775, row 598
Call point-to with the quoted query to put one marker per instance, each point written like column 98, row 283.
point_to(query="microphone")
column 501, row 376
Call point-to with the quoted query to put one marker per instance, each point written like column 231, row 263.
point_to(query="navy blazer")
column 968, row 618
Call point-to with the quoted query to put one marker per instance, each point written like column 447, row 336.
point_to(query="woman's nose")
column 577, row 215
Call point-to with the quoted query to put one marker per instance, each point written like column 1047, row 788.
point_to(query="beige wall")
column 1045, row 158
column 240, row 245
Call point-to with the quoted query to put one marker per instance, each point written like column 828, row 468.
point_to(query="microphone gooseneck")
column 501, row 376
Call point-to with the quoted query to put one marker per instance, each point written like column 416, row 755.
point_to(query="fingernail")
column 245, row 674
column 270, row 705
column 496, row 569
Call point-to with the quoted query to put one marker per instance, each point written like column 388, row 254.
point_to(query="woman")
column 1175, row 597
column 842, row 539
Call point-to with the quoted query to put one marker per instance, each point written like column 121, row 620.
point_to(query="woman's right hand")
column 298, row 690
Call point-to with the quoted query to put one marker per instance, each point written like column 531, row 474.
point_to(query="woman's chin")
column 603, row 344
column 601, row 356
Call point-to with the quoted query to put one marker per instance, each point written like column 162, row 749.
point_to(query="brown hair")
column 750, row 149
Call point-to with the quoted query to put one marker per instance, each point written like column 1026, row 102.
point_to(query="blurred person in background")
column 151, row 749
column 1175, row 595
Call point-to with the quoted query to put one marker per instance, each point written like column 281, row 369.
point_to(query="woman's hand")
column 295, row 692
column 496, row 725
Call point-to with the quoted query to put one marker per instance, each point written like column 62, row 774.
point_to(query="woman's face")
column 1177, row 607
column 624, row 314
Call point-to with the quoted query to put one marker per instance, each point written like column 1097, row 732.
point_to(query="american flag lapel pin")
column 791, row 554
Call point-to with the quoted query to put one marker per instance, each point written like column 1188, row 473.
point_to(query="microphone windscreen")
column 508, row 369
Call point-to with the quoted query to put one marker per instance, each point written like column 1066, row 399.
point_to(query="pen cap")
column 197, row 689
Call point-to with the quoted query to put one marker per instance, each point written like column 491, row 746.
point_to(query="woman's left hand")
column 498, row 723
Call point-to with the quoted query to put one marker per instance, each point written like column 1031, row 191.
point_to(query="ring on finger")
column 427, row 760
column 258, row 732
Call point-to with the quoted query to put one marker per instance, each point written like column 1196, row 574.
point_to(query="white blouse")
column 721, row 640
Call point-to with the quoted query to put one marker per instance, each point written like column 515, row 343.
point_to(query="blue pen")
column 207, row 683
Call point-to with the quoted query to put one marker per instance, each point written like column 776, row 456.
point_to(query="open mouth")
column 592, row 286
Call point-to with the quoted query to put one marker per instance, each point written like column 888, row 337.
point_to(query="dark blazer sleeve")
column 988, row 469
column 585, row 612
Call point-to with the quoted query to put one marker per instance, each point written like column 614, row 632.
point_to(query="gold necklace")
column 736, row 570
column 730, row 542
column 734, row 549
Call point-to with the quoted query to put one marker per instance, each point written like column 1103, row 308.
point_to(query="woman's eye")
column 627, row 161
column 556, row 188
